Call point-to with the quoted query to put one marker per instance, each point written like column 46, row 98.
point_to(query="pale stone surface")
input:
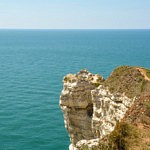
column 108, row 108
column 76, row 104
column 92, row 144
column 90, row 111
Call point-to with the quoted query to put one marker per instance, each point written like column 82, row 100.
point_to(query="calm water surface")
column 32, row 65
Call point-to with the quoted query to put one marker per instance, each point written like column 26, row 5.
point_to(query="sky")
column 75, row 14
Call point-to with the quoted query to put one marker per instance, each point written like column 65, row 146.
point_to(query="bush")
column 147, row 108
column 148, row 73
column 119, row 139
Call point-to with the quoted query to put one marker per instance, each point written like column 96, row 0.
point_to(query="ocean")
column 32, row 66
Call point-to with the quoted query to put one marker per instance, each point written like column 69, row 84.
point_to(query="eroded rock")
column 90, row 110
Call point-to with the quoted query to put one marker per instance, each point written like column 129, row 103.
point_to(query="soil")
column 143, row 72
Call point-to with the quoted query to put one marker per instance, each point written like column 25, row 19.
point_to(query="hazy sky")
column 75, row 14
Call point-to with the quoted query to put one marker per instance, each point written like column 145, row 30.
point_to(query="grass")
column 147, row 108
column 126, row 80
column 147, row 73
column 146, row 116
column 121, row 137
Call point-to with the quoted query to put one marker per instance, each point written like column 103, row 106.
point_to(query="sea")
column 32, row 66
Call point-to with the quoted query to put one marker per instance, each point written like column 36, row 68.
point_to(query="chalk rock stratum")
column 93, row 106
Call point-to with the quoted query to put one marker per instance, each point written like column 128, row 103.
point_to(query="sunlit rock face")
column 77, row 106
column 90, row 110
column 108, row 109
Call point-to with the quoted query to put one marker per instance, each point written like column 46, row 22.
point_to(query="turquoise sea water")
column 32, row 66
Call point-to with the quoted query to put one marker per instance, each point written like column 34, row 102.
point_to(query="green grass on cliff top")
column 148, row 73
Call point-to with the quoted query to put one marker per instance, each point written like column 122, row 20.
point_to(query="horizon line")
column 74, row 29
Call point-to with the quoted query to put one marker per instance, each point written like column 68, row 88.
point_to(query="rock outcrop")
column 91, row 109
column 76, row 103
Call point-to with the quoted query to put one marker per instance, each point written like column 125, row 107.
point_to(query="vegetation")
column 145, row 87
column 147, row 108
column 148, row 73
column 120, row 138
column 126, row 80
column 145, row 119
column 134, row 132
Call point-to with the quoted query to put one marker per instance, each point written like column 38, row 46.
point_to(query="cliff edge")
column 108, row 114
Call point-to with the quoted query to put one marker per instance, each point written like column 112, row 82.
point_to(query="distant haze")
column 75, row 14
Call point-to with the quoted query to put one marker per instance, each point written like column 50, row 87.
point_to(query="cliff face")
column 92, row 106
column 76, row 103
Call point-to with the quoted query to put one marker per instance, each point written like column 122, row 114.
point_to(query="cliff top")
column 112, row 113
column 133, row 81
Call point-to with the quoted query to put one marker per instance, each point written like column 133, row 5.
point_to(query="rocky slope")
column 94, row 108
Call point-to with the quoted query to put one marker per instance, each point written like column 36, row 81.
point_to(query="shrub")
column 119, row 139
column 147, row 108
column 148, row 73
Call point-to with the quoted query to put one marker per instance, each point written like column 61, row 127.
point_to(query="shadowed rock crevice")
column 90, row 110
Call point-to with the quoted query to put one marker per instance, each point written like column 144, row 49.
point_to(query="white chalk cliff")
column 90, row 110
